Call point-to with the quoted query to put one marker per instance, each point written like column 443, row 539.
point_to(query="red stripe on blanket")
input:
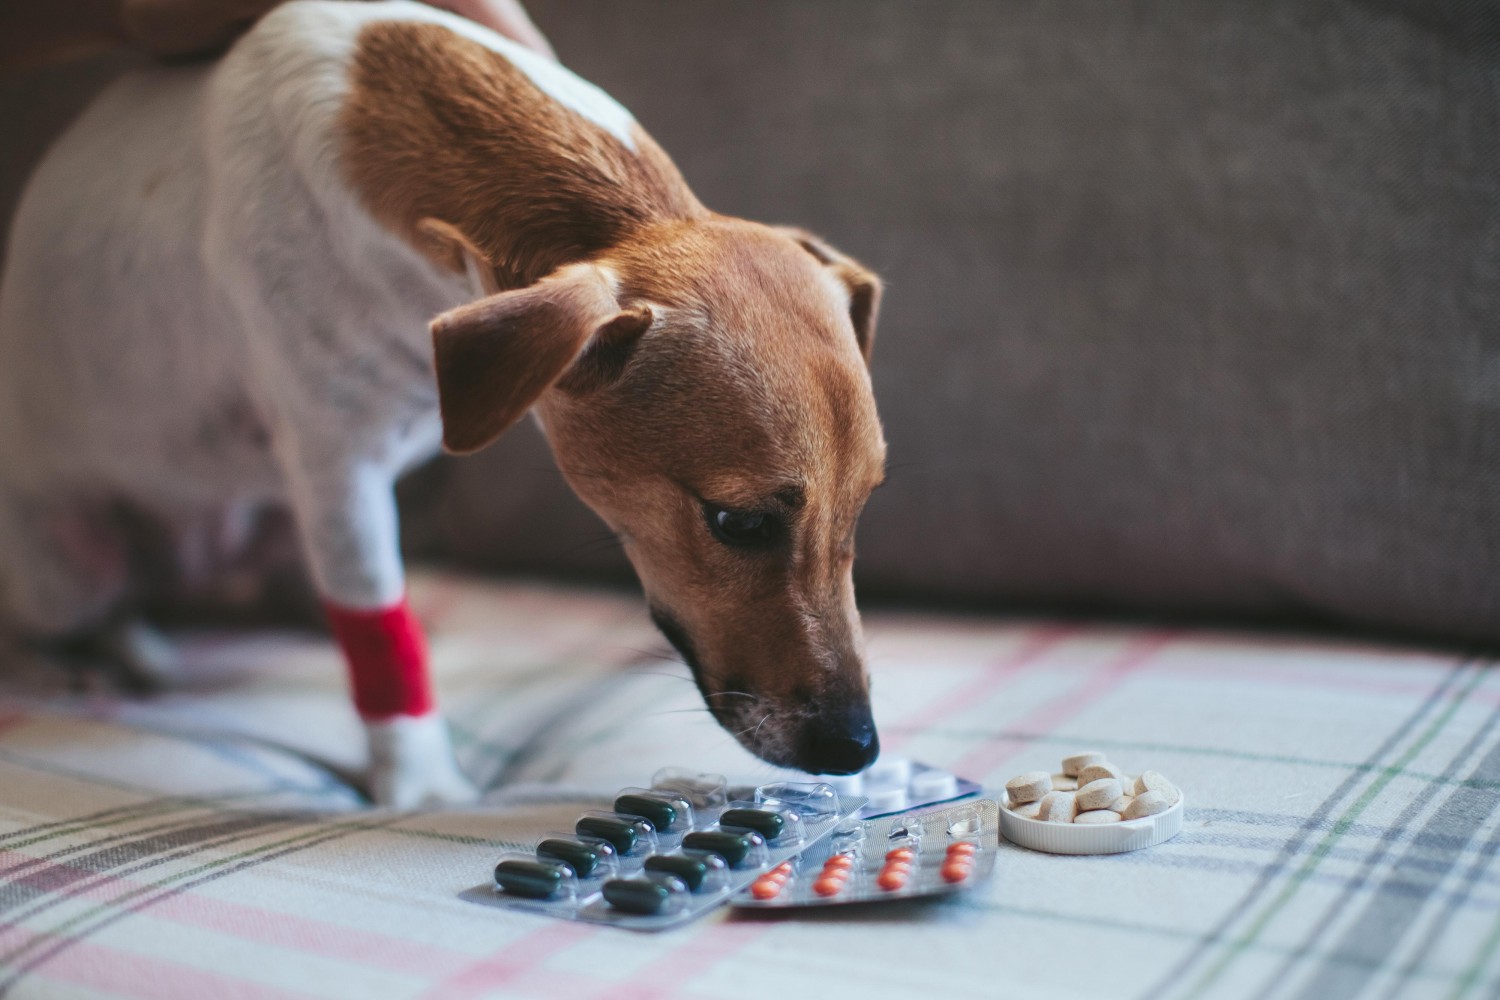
column 387, row 658
column 1032, row 648
column 1048, row 717
column 514, row 963
column 119, row 973
column 675, row 971
column 244, row 922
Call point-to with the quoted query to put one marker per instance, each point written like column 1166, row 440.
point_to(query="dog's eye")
column 742, row 528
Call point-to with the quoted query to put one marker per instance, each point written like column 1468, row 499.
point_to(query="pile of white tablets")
column 1090, row 790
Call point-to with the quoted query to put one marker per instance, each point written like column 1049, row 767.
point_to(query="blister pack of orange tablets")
column 905, row 856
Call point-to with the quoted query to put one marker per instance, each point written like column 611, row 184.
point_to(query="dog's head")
column 705, row 389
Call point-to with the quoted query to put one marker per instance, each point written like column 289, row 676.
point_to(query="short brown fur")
column 438, row 126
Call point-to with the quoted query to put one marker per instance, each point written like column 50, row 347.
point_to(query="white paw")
column 412, row 765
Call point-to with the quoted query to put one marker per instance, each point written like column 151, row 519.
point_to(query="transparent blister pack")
column 899, row 784
column 669, row 812
column 668, row 852
column 909, row 855
column 589, row 857
column 633, row 837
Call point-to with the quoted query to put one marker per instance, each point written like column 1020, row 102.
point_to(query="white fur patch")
column 321, row 20
column 558, row 83
column 411, row 763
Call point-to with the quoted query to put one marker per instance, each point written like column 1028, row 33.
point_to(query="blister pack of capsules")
column 668, row 853
column 906, row 856
column 899, row 784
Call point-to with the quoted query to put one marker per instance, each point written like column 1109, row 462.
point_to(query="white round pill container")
column 1092, row 807
column 1093, row 838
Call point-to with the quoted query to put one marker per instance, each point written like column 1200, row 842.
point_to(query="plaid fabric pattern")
column 1341, row 838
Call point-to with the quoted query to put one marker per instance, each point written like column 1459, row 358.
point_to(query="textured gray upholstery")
column 1191, row 307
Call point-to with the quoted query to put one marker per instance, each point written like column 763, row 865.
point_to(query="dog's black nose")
column 847, row 748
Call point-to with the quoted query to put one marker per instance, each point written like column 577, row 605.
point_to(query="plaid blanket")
column 1341, row 837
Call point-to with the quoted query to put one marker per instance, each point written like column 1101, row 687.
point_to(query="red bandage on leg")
column 387, row 659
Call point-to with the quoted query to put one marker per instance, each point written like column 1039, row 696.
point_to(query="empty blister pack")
column 906, row 856
column 899, row 784
column 665, row 854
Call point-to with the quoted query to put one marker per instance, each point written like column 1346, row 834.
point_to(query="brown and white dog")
column 219, row 297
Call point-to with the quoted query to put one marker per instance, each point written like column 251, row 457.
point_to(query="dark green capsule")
column 764, row 822
column 732, row 847
column 692, row 871
column 529, row 879
column 636, row 895
column 660, row 814
column 620, row 832
column 582, row 858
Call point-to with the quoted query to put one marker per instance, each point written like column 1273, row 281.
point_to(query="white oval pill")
column 1072, row 765
column 1030, row 810
column 887, row 799
column 845, row 784
column 1103, row 769
column 888, row 772
column 1058, row 807
column 1098, row 794
column 1155, row 781
column 928, row 786
column 1064, row 783
column 1028, row 787
column 1147, row 804
column 1094, row 816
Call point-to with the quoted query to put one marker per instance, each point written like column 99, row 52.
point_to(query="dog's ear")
column 864, row 287
column 496, row 357
column 447, row 246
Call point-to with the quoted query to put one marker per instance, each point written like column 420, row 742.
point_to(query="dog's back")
column 116, row 205
column 190, row 248
column 119, row 350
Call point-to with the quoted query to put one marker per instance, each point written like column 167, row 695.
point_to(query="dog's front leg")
column 347, row 514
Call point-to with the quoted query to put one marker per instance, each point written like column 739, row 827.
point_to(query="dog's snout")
column 845, row 744
column 844, row 754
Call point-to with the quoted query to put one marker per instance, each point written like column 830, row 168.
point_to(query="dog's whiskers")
column 752, row 730
column 659, row 673
column 762, row 722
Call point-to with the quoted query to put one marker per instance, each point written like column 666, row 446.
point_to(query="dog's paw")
column 412, row 765
column 396, row 788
